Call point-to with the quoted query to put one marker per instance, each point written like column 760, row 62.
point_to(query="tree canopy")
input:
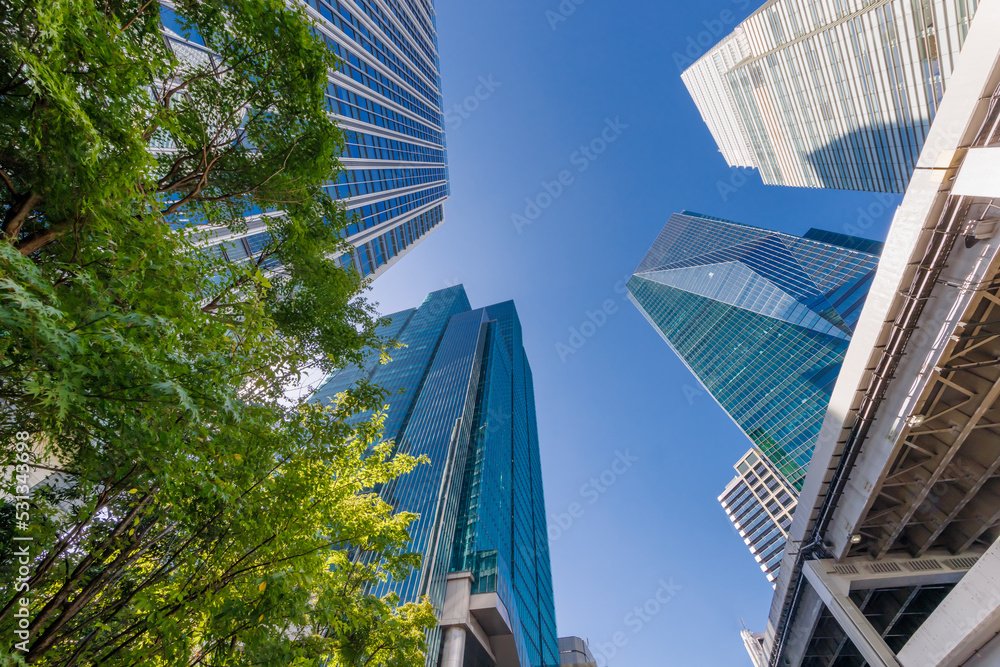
column 193, row 514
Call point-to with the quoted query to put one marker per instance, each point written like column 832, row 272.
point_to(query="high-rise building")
column 831, row 94
column 575, row 652
column 462, row 394
column 760, row 503
column 386, row 96
column 762, row 319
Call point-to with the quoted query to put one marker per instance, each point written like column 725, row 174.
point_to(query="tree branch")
column 42, row 238
column 19, row 213
column 10, row 184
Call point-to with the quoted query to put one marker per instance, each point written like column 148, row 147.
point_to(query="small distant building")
column 575, row 652
column 754, row 641
column 760, row 503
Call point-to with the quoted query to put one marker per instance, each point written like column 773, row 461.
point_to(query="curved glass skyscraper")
column 386, row 96
column 762, row 319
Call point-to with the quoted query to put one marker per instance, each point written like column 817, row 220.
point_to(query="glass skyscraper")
column 386, row 96
column 830, row 93
column 462, row 394
column 762, row 319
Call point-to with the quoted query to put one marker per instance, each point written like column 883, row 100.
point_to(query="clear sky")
column 547, row 88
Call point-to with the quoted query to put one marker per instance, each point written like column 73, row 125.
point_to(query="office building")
column 760, row 503
column 761, row 318
column 467, row 403
column 386, row 96
column 575, row 652
column 830, row 94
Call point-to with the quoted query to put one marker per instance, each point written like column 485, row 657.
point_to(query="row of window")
column 357, row 182
column 374, row 214
column 351, row 105
column 345, row 21
column 371, row 78
column 428, row 28
column 369, row 256
column 243, row 249
column 375, row 13
column 769, row 540
column 374, row 147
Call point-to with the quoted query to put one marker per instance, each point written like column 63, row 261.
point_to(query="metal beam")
column 969, row 495
column 985, row 404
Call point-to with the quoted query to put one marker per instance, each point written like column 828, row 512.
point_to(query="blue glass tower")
column 386, row 96
column 461, row 394
column 762, row 319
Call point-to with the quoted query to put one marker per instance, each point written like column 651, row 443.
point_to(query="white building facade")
column 830, row 93
column 760, row 503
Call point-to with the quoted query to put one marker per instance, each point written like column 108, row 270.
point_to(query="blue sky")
column 547, row 88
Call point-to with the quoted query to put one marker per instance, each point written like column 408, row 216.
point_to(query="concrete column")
column 454, row 647
column 802, row 625
column 871, row 645
column 962, row 629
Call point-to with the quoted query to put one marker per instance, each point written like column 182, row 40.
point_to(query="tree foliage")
column 193, row 515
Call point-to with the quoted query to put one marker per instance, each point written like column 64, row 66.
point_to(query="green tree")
column 193, row 516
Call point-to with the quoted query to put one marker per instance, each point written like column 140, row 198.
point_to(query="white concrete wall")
column 964, row 622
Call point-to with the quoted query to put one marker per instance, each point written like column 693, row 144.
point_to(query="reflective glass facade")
column 831, row 93
column 762, row 319
column 467, row 403
column 387, row 97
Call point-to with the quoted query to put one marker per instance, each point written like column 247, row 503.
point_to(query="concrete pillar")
column 454, row 647
column 803, row 624
column 964, row 624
